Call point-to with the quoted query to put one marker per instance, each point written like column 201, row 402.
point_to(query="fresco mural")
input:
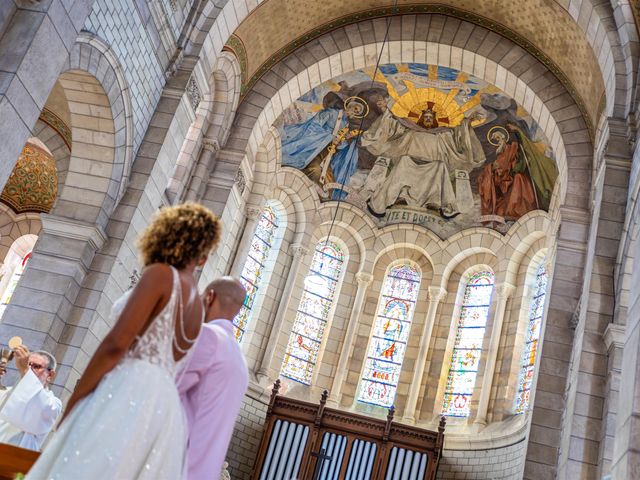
column 421, row 144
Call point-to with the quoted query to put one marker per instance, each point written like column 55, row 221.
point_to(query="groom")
column 213, row 383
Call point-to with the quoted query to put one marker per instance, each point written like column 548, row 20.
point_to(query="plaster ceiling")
column 543, row 27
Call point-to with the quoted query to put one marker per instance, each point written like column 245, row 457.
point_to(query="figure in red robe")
column 505, row 188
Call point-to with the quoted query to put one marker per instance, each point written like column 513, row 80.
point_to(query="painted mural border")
column 236, row 46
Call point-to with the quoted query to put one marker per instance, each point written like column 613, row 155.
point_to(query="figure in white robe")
column 423, row 162
column 28, row 412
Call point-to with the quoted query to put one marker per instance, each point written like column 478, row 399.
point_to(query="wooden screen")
column 302, row 440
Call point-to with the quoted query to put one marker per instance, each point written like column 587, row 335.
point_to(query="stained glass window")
column 254, row 266
column 313, row 312
column 390, row 335
column 13, row 283
column 532, row 336
column 467, row 348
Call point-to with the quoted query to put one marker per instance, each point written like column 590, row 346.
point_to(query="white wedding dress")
column 132, row 425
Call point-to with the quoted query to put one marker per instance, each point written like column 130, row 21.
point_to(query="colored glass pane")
column 254, row 266
column 313, row 312
column 13, row 283
column 532, row 335
column 467, row 348
column 390, row 335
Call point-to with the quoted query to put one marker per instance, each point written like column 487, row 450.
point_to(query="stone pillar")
column 267, row 367
column 436, row 294
column 35, row 40
column 41, row 310
column 206, row 164
column 252, row 215
column 364, row 280
column 614, row 342
column 503, row 291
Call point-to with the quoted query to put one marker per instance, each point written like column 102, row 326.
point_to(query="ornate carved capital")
column 193, row 92
column 210, row 144
column 298, row 250
column 436, row 294
column 240, row 181
column 252, row 212
column 363, row 279
column 505, row 290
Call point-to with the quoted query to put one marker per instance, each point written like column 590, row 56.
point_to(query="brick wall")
column 246, row 437
column 495, row 464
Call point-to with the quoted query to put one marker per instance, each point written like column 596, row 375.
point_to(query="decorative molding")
column 194, row 94
column 252, row 212
column 436, row 293
column 363, row 279
column 133, row 278
column 236, row 46
column 240, row 181
column 63, row 227
column 505, row 290
column 55, row 122
column 298, row 250
column 210, row 145
column 614, row 336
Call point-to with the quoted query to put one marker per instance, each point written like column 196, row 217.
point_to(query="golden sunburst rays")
column 411, row 104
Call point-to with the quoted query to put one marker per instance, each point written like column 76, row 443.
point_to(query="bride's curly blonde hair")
column 178, row 235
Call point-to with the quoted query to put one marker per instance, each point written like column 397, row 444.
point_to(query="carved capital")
column 363, row 279
column 193, row 92
column 252, row 212
column 436, row 294
column 63, row 227
column 298, row 250
column 210, row 144
column 614, row 336
column 505, row 290
column 240, row 181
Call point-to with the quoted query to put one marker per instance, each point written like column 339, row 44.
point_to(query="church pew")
column 14, row 460
column 303, row 440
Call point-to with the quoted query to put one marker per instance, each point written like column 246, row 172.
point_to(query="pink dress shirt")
column 212, row 387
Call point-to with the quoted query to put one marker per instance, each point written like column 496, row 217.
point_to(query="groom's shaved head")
column 229, row 291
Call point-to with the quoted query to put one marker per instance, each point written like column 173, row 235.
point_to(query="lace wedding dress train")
column 132, row 425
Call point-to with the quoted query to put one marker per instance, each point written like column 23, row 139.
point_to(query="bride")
column 124, row 419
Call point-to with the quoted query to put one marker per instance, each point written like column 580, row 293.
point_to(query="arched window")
column 313, row 312
column 254, row 266
column 532, row 336
column 390, row 335
column 13, row 267
column 467, row 348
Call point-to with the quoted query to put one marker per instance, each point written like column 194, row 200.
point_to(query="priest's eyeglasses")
column 36, row 366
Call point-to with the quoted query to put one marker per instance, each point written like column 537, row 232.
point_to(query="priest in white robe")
column 29, row 410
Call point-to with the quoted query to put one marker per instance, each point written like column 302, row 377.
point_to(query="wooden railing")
column 303, row 440
column 14, row 460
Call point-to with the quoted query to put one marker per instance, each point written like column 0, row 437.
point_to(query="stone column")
column 436, row 294
column 206, row 164
column 364, row 280
column 252, row 215
column 35, row 41
column 503, row 292
column 267, row 367
column 41, row 310
column 614, row 342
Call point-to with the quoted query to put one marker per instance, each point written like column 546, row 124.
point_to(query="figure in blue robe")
column 306, row 144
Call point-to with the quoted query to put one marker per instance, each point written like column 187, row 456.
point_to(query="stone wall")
column 494, row 464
